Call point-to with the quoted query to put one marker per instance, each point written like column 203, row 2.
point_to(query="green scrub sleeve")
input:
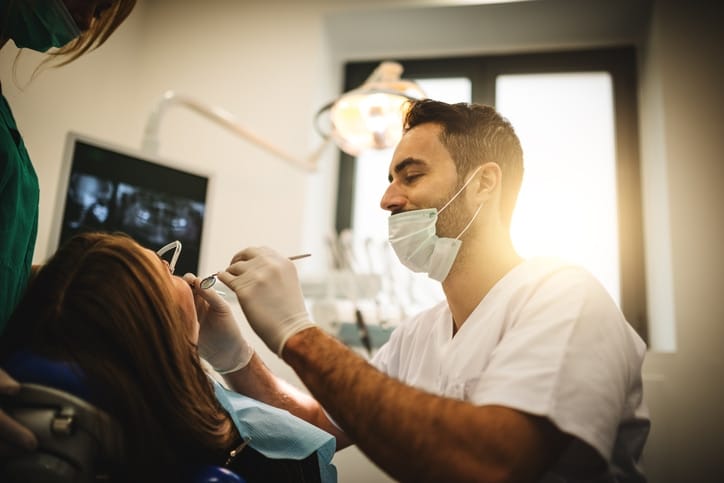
column 19, row 196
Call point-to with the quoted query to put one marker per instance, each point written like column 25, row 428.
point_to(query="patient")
column 114, row 309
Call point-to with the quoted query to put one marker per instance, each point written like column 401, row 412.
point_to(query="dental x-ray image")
column 156, row 217
column 115, row 191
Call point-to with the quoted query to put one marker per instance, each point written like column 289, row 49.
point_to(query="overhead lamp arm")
column 220, row 116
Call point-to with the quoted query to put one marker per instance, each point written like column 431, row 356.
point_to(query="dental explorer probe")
column 210, row 281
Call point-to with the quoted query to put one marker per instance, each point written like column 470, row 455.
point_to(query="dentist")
column 527, row 371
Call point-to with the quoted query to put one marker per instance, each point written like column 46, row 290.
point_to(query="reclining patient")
column 114, row 311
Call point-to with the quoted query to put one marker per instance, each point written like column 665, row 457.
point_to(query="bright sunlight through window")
column 567, row 203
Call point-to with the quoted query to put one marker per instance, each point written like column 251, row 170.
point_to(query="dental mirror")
column 208, row 282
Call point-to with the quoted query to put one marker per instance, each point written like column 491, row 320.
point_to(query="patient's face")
column 183, row 297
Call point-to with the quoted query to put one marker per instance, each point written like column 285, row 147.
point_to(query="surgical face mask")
column 413, row 236
column 41, row 24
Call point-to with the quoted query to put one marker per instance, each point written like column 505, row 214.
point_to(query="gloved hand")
column 220, row 339
column 267, row 286
column 12, row 434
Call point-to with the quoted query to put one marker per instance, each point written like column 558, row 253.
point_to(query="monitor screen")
column 110, row 189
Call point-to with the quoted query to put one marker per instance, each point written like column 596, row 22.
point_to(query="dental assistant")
column 527, row 371
column 73, row 27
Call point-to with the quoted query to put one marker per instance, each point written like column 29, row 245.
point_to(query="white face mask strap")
column 461, row 189
column 471, row 221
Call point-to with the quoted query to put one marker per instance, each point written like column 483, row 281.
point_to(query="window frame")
column 620, row 63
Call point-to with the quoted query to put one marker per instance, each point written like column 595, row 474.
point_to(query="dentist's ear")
column 489, row 178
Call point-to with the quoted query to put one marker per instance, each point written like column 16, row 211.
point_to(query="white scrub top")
column 546, row 340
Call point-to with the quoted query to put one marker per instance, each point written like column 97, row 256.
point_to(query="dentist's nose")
column 392, row 199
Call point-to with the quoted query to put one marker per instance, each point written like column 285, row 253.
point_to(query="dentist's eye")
column 410, row 178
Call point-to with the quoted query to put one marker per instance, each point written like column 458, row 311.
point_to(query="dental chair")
column 78, row 442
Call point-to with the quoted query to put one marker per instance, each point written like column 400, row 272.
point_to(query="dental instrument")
column 210, row 281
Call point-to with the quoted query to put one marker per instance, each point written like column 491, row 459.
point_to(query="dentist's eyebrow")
column 403, row 165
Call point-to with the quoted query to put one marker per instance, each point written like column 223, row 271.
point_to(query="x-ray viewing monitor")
column 111, row 189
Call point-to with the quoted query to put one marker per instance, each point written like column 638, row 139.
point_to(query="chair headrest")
column 28, row 367
column 78, row 442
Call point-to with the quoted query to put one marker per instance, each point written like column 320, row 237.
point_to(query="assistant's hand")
column 13, row 436
column 220, row 339
column 267, row 286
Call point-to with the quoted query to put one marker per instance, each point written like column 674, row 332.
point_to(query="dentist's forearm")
column 413, row 435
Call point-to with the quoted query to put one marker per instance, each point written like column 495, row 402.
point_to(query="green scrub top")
column 19, row 195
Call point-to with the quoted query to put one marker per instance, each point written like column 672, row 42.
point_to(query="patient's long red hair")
column 102, row 303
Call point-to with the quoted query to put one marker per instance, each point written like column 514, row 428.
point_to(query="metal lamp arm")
column 226, row 119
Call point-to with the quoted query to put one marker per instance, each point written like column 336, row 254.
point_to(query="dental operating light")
column 369, row 117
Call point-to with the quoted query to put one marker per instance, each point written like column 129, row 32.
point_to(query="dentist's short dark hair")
column 475, row 134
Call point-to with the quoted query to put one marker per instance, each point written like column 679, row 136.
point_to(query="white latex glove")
column 267, row 286
column 12, row 434
column 220, row 339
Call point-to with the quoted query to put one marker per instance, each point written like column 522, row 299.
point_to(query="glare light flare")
column 567, row 205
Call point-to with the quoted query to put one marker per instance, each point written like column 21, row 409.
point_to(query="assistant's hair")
column 100, row 29
column 475, row 134
column 101, row 303
column 102, row 26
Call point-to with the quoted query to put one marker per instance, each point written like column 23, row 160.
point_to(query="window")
column 567, row 204
column 575, row 113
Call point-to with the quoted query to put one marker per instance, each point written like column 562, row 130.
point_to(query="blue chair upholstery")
column 77, row 440
column 214, row 474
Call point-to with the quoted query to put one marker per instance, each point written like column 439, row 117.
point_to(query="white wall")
column 682, row 77
column 273, row 63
